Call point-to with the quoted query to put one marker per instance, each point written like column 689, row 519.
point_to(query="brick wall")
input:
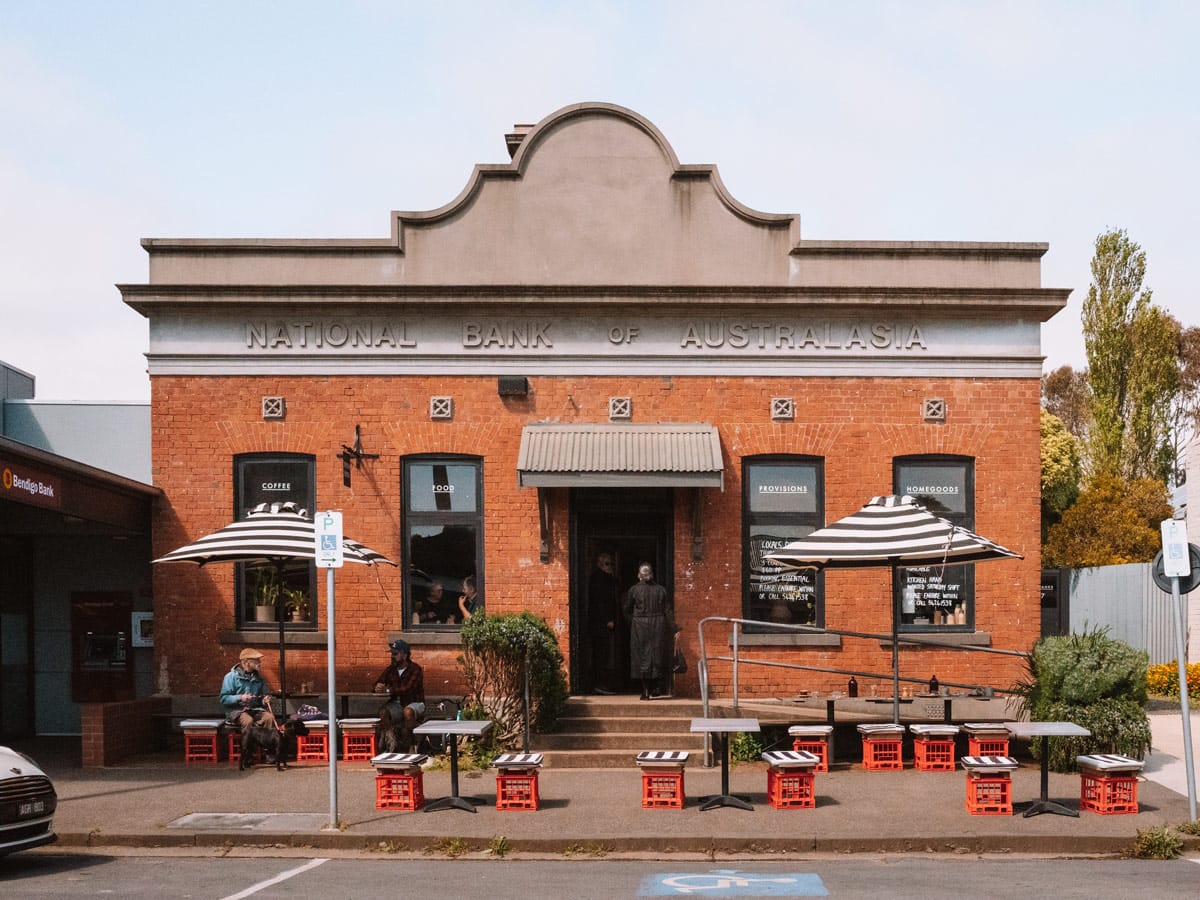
column 857, row 425
column 115, row 731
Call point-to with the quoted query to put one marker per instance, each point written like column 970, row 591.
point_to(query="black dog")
column 279, row 746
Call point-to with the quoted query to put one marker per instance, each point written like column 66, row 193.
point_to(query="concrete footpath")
column 157, row 801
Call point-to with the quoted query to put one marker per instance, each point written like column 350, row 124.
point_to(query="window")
column 938, row 597
column 275, row 478
column 442, row 540
column 783, row 498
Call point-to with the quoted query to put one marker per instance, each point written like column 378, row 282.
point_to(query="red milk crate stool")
column 399, row 781
column 200, row 740
column 814, row 739
column 1108, row 783
column 358, row 739
column 790, row 779
column 314, row 746
column 989, row 788
column 933, row 747
column 517, row 780
column 986, row 739
column 882, row 746
column 662, row 778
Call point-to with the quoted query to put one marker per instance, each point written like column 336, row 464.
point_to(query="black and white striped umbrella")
column 270, row 534
column 889, row 532
column 892, row 532
column 274, row 535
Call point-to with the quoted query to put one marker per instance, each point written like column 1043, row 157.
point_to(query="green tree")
column 1060, row 469
column 1065, row 394
column 1112, row 523
column 1133, row 361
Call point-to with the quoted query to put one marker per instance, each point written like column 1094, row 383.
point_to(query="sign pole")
column 330, row 556
column 1177, row 563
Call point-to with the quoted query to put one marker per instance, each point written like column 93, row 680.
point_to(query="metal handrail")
column 736, row 659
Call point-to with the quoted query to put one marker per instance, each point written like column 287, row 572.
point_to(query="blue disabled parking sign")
column 732, row 883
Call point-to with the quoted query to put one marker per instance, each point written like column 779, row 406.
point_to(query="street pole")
column 332, row 687
column 1181, row 658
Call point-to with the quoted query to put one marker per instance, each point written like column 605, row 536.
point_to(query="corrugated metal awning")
column 611, row 455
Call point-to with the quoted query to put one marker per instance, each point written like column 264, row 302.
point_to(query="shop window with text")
column 442, row 540
column 782, row 499
column 937, row 598
column 267, row 592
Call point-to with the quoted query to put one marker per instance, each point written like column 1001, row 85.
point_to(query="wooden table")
column 1046, row 730
column 457, row 728
column 722, row 728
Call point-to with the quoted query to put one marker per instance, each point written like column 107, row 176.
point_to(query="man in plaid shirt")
column 404, row 683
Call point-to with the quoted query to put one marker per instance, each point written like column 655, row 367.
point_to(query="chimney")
column 513, row 139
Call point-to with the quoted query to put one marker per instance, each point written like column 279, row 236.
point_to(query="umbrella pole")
column 282, row 667
column 895, row 671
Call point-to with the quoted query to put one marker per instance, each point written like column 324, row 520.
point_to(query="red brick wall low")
column 115, row 731
column 857, row 425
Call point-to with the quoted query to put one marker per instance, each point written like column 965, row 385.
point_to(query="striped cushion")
column 662, row 757
column 1109, row 762
column 791, row 759
column 993, row 763
column 517, row 760
column 934, row 730
column 398, row 760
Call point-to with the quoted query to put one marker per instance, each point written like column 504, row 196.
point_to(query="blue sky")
column 1021, row 121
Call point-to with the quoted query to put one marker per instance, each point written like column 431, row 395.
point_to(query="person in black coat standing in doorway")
column 651, row 630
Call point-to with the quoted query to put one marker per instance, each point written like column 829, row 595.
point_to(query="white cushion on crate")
column 1109, row 762
column 398, row 760
column 791, row 759
column 880, row 729
column 672, row 758
column 517, row 760
column 201, row 724
column 985, row 728
column 809, row 730
column 990, row 763
column 358, row 724
column 934, row 730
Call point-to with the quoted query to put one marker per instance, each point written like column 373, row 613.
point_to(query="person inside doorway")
column 651, row 632
column 603, row 613
column 404, row 683
column 470, row 602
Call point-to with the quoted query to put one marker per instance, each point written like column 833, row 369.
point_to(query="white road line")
column 282, row 876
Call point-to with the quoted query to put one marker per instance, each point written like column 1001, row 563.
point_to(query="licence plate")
column 31, row 808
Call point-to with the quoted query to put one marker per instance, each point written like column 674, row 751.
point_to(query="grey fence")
column 1126, row 600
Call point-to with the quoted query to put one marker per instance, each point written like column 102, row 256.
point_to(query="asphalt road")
column 51, row 873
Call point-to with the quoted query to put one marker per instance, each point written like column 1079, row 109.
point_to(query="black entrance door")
column 632, row 525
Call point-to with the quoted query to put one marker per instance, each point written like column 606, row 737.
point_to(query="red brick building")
column 595, row 349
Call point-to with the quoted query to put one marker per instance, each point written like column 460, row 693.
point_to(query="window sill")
column 428, row 638
column 789, row 640
column 950, row 639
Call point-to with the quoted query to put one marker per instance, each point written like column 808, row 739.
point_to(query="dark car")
column 27, row 803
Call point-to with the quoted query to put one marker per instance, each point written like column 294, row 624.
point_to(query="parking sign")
column 1176, row 560
column 329, row 540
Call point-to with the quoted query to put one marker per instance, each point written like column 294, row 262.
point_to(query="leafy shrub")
column 1157, row 843
column 496, row 650
column 1094, row 681
column 745, row 747
column 1163, row 679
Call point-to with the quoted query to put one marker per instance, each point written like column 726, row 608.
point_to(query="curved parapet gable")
column 597, row 188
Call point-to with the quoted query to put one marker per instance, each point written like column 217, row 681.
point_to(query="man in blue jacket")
column 244, row 695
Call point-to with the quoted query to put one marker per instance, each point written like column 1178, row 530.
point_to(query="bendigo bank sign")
column 24, row 485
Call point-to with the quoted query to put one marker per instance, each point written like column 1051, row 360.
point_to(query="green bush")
column 745, row 747
column 1094, row 681
column 1157, row 843
column 496, row 649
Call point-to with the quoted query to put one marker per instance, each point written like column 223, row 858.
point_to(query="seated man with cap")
column 244, row 695
column 404, row 683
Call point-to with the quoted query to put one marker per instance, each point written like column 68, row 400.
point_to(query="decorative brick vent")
column 620, row 409
column 273, row 408
column 934, row 409
column 441, row 408
column 783, row 409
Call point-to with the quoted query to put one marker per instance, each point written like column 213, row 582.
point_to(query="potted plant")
column 295, row 604
column 264, row 592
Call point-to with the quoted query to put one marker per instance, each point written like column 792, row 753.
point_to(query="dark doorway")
column 632, row 525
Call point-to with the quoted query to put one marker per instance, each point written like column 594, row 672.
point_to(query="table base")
column 464, row 803
column 726, row 800
column 1049, row 806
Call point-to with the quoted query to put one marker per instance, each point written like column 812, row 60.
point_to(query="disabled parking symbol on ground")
column 732, row 883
